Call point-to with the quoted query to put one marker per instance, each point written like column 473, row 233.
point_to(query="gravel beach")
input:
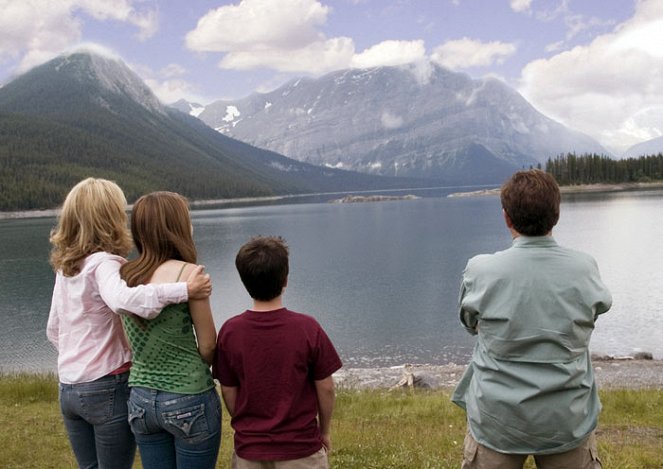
column 610, row 373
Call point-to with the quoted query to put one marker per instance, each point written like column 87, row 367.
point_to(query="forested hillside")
column 83, row 115
column 41, row 159
column 591, row 169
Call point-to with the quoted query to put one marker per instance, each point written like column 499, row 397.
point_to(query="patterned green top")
column 165, row 352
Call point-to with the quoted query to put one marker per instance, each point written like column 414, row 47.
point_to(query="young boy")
column 275, row 370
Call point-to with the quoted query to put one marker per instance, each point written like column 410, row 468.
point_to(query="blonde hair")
column 93, row 219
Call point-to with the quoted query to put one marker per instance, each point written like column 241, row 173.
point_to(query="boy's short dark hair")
column 262, row 264
column 531, row 200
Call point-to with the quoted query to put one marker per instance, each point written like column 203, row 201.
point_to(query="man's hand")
column 198, row 285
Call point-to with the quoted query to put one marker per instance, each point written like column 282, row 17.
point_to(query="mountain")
column 85, row 115
column 648, row 147
column 393, row 121
column 193, row 109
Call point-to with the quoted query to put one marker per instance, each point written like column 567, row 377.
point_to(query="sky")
column 596, row 66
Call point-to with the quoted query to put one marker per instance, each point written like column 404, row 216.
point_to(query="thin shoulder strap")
column 181, row 270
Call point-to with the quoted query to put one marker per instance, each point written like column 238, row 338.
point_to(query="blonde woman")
column 174, row 409
column 90, row 243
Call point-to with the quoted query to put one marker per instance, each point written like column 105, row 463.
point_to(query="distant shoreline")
column 195, row 204
column 52, row 212
column 574, row 189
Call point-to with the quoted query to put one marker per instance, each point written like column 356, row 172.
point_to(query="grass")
column 371, row 429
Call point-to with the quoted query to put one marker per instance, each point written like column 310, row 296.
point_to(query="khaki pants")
column 315, row 461
column 477, row 456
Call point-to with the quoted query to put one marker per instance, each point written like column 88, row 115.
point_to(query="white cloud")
column 281, row 35
column 422, row 70
column 119, row 10
column 94, row 48
column 600, row 88
column 551, row 14
column 35, row 31
column 579, row 23
column 169, row 84
column 286, row 36
column 390, row 53
column 259, row 24
column 318, row 57
column 171, row 90
column 172, row 70
column 520, row 6
column 466, row 53
column 555, row 46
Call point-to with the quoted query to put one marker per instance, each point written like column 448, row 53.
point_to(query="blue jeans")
column 176, row 430
column 95, row 417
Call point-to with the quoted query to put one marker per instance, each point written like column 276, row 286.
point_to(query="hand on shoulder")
column 198, row 282
column 199, row 285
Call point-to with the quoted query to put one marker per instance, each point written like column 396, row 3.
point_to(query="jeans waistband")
column 121, row 378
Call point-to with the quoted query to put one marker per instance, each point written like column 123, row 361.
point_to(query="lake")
column 381, row 277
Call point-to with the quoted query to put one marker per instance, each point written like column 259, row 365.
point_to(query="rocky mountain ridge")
column 398, row 121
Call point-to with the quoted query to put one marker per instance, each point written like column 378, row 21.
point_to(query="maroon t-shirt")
column 273, row 358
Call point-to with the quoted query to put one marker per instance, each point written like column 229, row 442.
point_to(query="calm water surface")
column 382, row 278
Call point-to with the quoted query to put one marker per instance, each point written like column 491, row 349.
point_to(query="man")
column 530, row 387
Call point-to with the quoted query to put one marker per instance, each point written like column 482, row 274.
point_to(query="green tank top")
column 165, row 352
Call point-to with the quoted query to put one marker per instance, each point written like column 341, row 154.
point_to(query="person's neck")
column 271, row 305
column 515, row 234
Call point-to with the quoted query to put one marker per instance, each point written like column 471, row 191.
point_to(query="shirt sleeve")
column 221, row 368
column 53, row 325
column 469, row 316
column 145, row 301
column 602, row 300
column 327, row 360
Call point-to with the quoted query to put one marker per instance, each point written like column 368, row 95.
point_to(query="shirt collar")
column 534, row 241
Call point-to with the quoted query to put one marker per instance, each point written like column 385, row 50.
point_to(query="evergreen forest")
column 571, row 169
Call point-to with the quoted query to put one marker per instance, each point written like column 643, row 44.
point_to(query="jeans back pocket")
column 188, row 423
column 96, row 405
column 137, row 418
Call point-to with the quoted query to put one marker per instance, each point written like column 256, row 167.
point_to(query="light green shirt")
column 530, row 387
column 165, row 353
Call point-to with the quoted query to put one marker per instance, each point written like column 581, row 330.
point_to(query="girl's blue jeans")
column 95, row 417
column 176, row 430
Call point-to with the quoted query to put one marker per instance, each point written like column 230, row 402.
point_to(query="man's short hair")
column 262, row 264
column 531, row 200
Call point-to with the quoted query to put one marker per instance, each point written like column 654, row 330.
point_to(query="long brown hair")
column 161, row 228
column 93, row 219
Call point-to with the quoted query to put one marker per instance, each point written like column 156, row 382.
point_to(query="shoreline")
column 201, row 204
column 205, row 203
column 610, row 373
column 575, row 189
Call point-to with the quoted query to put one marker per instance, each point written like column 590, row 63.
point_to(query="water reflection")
column 623, row 232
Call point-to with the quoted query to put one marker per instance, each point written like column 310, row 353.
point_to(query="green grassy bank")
column 371, row 429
